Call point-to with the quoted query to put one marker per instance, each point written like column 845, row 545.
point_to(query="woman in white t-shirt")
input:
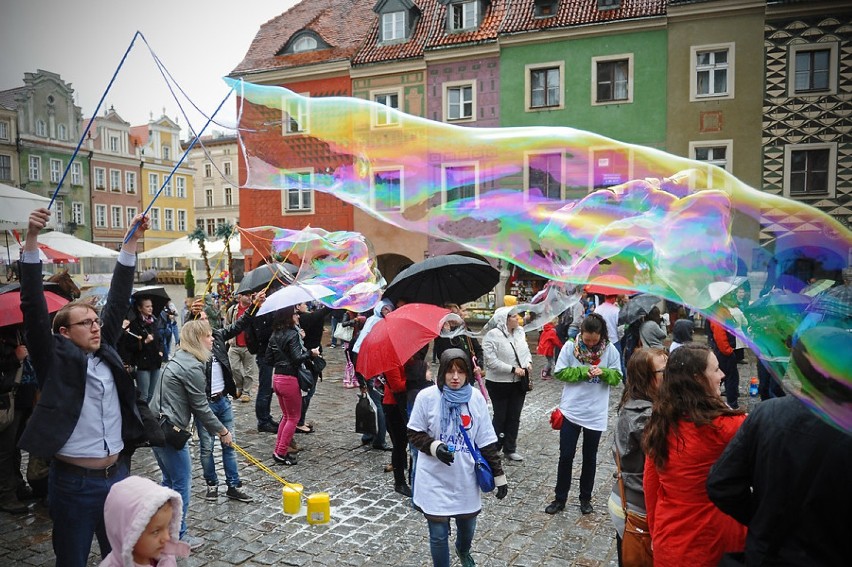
column 445, row 486
column 589, row 365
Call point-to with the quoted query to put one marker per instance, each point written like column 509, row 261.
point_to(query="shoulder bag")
column 636, row 543
column 7, row 401
column 342, row 333
column 524, row 381
column 484, row 476
column 176, row 436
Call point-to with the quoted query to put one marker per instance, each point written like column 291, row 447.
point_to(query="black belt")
column 216, row 397
column 107, row 472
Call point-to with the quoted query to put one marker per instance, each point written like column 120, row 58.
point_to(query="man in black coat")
column 89, row 419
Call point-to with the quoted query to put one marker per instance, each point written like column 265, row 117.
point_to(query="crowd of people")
column 705, row 477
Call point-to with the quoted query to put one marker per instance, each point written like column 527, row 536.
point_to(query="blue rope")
column 92, row 120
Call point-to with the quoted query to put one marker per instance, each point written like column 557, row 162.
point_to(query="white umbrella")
column 717, row 290
column 294, row 294
column 17, row 206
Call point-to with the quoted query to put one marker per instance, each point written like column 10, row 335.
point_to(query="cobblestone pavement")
column 370, row 523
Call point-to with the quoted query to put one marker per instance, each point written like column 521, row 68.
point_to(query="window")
column 5, row 168
column 41, row 128
column 63, row 132
column 60, row 212
column 464, row 15
column 180, row 185
column 208, row 170
column 211, row 227
column 612, row 79
column 304, row 43
column 115, row 213
column 169, row 219
column 181, row 220
column 100, row 216
column 544, row 86
column 545, row 8
column 76, row 174
column 459, row 183
column 115, row 180
column 610, row 166
column 813, row 69
column 226, row 167
column 298, row 197
column 387, row 190
column 716, row 152
column 393, row 26
column 100, row 178
column 810, row 170
column 385, row 116
column 167, row 152
column 544, row 174
column 229, row 197
column 608, row 4
column 711, row 73
column 55, row 170
column 113, row 144
column 715, row 155
column 131, row 212
column 459, row 101
column 155, row 218
column 153, row 183
column 4, row 130
column 130, row 181
column 35, row 168
column 208, row 197
column 77, row 213
column 295, row 115
column 167, row 184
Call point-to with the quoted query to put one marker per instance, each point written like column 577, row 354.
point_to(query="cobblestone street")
column 370, row 523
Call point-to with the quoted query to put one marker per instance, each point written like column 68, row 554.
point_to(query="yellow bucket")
column 319, row 508
column 291, row 498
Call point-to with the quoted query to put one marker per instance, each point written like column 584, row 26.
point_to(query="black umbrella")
column 638, row 306
column 836, row 302
column 444, row 279
column 258, row 278
column 156, row 293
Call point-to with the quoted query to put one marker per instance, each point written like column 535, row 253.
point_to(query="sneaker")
column 267, row 427
column 554, row 507
column 194, row 542
column 586, row 507
column 514, row 457
column 235, row 493
column 245, row 398
column 212, row 493
column 466, row 558
column 285, row 460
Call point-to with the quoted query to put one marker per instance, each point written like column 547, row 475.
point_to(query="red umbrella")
column 10, row 306
column 54, row 256
column 394, row 339
column 606, row 285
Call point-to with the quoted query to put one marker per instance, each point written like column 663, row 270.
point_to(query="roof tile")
column 521, row 15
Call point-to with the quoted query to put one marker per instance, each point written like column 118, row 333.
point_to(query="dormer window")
column 303, row 42
column 464, row 15
column 546, row 8
column 609, row 4
column 393, row 26
column 397, row 20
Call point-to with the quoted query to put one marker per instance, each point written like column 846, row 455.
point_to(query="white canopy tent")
column 177, row 253
column 94, row 259
column 17, row 206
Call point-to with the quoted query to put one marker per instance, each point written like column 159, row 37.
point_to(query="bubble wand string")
column 261, row 466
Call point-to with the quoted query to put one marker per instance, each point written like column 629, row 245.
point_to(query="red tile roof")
column 521, row 14
column 342, row 24
column 495, row 12
column 373, row 52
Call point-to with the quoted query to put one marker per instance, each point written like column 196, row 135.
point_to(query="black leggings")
column 396, row 419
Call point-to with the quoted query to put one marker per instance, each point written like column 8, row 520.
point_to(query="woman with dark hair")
column 445, row 487
column 651, row 332
column 644, row 373
column 146, row 350
column 588, row 365
column 690, row 426
column 285, row 354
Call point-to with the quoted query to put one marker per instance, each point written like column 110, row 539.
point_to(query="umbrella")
column 717, row 290
column 10, row 306
column 258, row 278
column 836, row 302
column 149, row 276
column 637, row 307
column 156, row 293
column 294, row 294
column 53, row 256
column 610, row 285
column 444, row 279
column 400, row 334
column 817, row 288
column 96, row 295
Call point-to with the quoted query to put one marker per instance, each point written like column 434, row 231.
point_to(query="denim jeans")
column 439, row 537
column 76, row 505
column 177, row 475
column 569, row 434
column 264, row 392
column 222, row 410
column 146, row 381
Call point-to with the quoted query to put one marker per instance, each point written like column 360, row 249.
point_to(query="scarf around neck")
column 451, row 401
column 590, row 356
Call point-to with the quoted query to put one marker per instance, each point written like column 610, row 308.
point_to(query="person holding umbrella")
column 145, row 347
column 508, row 363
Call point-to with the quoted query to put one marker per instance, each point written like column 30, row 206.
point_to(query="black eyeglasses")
column 88, row 323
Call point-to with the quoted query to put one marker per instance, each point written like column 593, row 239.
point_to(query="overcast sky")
column 198, row 41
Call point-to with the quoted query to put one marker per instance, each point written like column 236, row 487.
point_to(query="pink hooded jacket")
column 129, row 507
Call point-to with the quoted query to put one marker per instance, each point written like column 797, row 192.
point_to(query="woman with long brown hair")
column 690, row 426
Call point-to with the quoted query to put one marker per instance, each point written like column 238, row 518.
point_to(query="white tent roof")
column 76, row 247
column 17, row 206
column 185, row 248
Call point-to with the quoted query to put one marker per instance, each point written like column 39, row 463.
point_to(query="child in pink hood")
column 549, row 344
column 142, row 522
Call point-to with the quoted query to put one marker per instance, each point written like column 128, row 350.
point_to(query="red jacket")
column 549, row 340
column 394, row 384
column 686, row 528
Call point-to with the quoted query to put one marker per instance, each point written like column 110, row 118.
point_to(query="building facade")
column 216, row 201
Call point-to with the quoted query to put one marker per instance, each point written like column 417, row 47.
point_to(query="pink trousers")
column 290, row 399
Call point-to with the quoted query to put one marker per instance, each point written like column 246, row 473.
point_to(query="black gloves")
column 502, row 491
column 444, row 455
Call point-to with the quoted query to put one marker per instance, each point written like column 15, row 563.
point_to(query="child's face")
column 154, row 538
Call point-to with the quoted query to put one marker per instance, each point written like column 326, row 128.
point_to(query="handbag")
column 306, row 377
column 366, row 415
column 342, row 333
column 175, row 436
column 524, row 381
column 636, row 543
column 484, row 476
column 556, row 418
column 7, row 401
